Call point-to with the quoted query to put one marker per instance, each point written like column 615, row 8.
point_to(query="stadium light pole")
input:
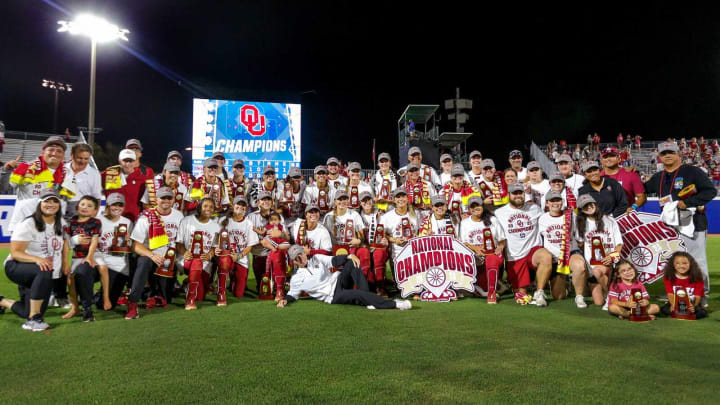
column 99, row 31
column 57, row 87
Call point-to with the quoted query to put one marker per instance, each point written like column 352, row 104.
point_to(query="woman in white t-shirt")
column 482, row 233
column 36, row 250
column 242, row 239
column 401, row 224
column 337, row 223
column 601, row 241
column 377, row 242
column 114, row 247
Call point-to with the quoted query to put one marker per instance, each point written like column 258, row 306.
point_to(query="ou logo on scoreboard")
column 253, row 121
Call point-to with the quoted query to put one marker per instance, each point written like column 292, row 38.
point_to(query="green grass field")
column 460, row 352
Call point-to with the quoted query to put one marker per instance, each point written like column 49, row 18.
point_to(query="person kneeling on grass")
column 314, row 278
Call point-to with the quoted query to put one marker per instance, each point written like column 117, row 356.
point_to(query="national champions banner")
column 435, row 267
column 259, row 133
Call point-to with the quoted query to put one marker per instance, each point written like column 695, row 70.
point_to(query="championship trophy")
column 224, row 243
column 427, row 175
column 406, row 228
column 349, row 231
column 417, row 197
column 265, row 292
column 168, row 267
column 288, row 193
column 178, row 201
column 681, row 307
column 488, row 245
column 638, row 313
column 214, row 195
column 354, row 203
column 384, row 194
column 225, row 264
column 378, row 237
column 322, row 201
column 597, row 251
column 120, row 240
column 449, row 228
column 197, row 245
column 455, row 209
column 485, row 190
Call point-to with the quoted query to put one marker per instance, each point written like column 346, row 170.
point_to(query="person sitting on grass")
column 314, row 278
column 36, row 251
column 683, row 271
column 623, row 280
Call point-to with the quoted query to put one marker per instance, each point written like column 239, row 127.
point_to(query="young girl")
column 83, row 232
column 623, row 280
column 112, row 251
column 682, row 270
column 591, row 225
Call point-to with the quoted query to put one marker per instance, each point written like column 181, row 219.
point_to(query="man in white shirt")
column 85, row 177
column 516, row 159
column 314, row 278
column 524, row 251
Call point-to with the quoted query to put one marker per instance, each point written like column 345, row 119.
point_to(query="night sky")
column 537, row 74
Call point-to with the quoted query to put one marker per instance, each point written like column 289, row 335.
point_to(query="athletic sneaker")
column 605, row 305
column 371, row 307
column 150, row 303
column 580, row 301
column 87, row 315
column 492, row 297
column 35, row 324
column 403, row 305
column 64, row 303
column 53, row 302
column 132, row 312
column 522, row 298
column 539, row 298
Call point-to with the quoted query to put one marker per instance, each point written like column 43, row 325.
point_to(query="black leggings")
column 33, row 284
column 116, row 283
column 144, row 270
column 345, row 294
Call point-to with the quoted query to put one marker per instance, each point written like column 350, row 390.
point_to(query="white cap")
column 127, row 154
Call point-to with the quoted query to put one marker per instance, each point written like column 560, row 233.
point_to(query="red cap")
column 610, row 150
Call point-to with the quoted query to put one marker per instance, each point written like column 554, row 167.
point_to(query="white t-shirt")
column 242, row 235
column 338, row 182
column 336, row 225
column 41, row 244
column 610, row 235
column 521, row 174
column 393, row 226
column 575, row 181
column 551, row 233
column 521, row 229
column 188, row 226
column 257, row 221
column 472, row 231
column 172, row 225
column 538, row 191
column 378, row 180
column 317, row 239
column 118, row 263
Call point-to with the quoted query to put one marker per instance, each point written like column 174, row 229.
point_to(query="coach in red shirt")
column 630, row 181
column 126, row 179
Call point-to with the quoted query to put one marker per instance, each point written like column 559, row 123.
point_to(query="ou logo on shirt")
column 55, row 243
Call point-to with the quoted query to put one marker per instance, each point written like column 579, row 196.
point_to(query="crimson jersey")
column 91, row 227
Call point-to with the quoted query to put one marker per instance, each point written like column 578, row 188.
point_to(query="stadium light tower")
column 99, row 31
column 57, row 87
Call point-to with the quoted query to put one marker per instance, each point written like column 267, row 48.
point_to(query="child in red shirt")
column 624, row 279
column 683, row 271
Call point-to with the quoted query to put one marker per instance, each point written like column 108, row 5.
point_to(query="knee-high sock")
column 241, row 274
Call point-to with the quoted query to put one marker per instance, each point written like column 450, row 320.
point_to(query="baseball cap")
column 589, row 165
column 49, row 193
column 444, row 157
column 475, row 153
column 557, row 176
column 320, row 168
column 515, row 187
column 171, row 167
column 218, row 155
column 668, row 147
column 173, row 153
column 354, row 166
column 55, row 140
column 475, row 200
column 311, row 207
column 564, row 158
column 365, row 195
column 240, row 199
column 332, row 160
column 515, row 152
column 553, row 194
column 413, row 166
column 133, row 142
column 210, row 162
column 295, row 251
column 269, row 169
column 414, row 150
column 384, row 155
column 164, row 192
column 487, row 163
column 239, row 163
column 127, row 154
column 584, row 200
column 457, row 169
column 438, row 199
column 115, row 198
column 294, row 172
column 339, row 193
column 399, row 191
column 610, row 150
column 533, row 165
column 262, row 194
